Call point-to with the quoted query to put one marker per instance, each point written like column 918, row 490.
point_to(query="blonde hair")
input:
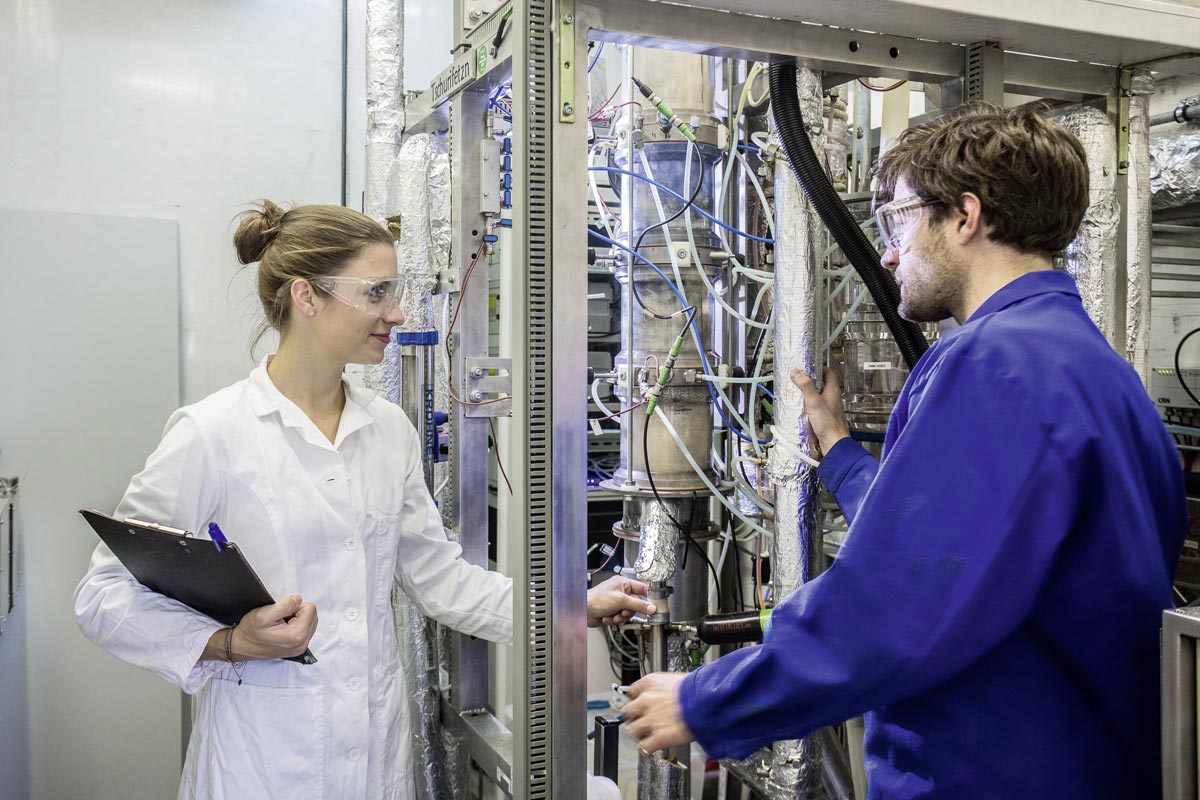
column 303, row 242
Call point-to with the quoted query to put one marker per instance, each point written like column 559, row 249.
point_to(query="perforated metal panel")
column 534, row 62
column 983, row 77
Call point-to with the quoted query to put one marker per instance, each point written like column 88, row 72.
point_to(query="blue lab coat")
column 997, row 603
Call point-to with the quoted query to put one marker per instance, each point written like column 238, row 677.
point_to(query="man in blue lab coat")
column 996, row 606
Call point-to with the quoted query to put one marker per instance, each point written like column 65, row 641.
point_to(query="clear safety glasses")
column 893, row 219
column 376, row 296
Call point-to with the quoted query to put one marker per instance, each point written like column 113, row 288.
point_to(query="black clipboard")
column 215, row 580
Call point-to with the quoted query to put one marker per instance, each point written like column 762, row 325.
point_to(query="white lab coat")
column 332, row 522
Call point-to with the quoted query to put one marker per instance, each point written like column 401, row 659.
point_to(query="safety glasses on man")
column 893, row 219
column 375, row 296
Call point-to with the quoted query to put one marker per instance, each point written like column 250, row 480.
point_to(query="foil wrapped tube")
column 456, row 765
column 385, row 98
column 1091, row 258
column 795, row 765
column 419, row 658
column 1175, row 168
column 659, row 779
column 658, row 545
column 1138, row 227
column 419, row 193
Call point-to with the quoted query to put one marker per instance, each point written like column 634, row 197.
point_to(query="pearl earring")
column 312, row 311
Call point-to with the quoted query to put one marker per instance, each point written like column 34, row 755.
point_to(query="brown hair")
column 1029, row 173
column 302, row 242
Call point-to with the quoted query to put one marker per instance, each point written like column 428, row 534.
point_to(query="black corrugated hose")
column 833, row 212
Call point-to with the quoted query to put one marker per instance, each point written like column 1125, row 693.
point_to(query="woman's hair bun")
column 256, row 231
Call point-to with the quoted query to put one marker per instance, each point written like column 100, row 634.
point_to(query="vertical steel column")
column 1118, row 113
column 568, row 255
column 1178, row 670
column 468, row 436
column 549, row 406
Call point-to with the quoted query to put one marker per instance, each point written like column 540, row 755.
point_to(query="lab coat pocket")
column 260, row 741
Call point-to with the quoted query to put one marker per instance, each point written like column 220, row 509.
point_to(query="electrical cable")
column 1178, row 371
column 450, row 330
column 496, row 450
column 681, row 198
column 895, row 85
column 713, row 392
column 785, row 103
column 595, row 57
column 662, row 224
column 684, row 532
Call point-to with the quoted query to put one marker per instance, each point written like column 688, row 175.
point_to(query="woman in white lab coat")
column 320, row 484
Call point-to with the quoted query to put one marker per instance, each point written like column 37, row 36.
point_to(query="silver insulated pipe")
column 795, row 556
column 1091, row 258
column 1138, row 226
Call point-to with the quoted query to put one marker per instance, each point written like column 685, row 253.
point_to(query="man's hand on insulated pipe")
column 825, row 408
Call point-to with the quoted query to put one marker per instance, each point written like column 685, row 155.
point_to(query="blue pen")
column 214, row 533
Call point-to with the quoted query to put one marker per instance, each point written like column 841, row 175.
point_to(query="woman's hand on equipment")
column 616, row 600
column 280, row 630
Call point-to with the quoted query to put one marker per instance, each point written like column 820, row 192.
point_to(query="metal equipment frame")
column 545, row 756
column 1180, row 721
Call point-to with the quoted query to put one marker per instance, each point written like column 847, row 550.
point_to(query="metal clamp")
column 1126, row 91
column 566, row 61
column 484, row 387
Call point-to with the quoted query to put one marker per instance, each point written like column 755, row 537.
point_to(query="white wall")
column 187, row 111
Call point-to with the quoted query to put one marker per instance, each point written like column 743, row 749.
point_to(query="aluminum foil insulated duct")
column 419, row 658
column 1092, row 258
column 418, row 191
column 385, row 123
column 658, row 544
column 385, row 98
column 1138, row 231
column 796, row 765
column 1175, row 168
column 659, row 779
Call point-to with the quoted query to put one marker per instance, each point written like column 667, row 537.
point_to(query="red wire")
column 604, row 105
column 895, row 85
column 462, row 290
column 619, row 413
column 499, row 463
column 614, row 109
column 616, row 544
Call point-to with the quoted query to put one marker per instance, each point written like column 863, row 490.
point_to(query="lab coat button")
column 354, row 754
column 351, row 544
column 352, row 684
column 352, row 614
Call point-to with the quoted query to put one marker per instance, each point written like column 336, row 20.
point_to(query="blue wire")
column 595, row 57
column 749, row 148
column 682, row 199
column 695, row 332
column 494, row 97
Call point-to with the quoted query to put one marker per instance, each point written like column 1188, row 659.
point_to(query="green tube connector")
column 664, row 375
column 684, row 129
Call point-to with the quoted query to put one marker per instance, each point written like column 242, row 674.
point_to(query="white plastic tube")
column 725, row 501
